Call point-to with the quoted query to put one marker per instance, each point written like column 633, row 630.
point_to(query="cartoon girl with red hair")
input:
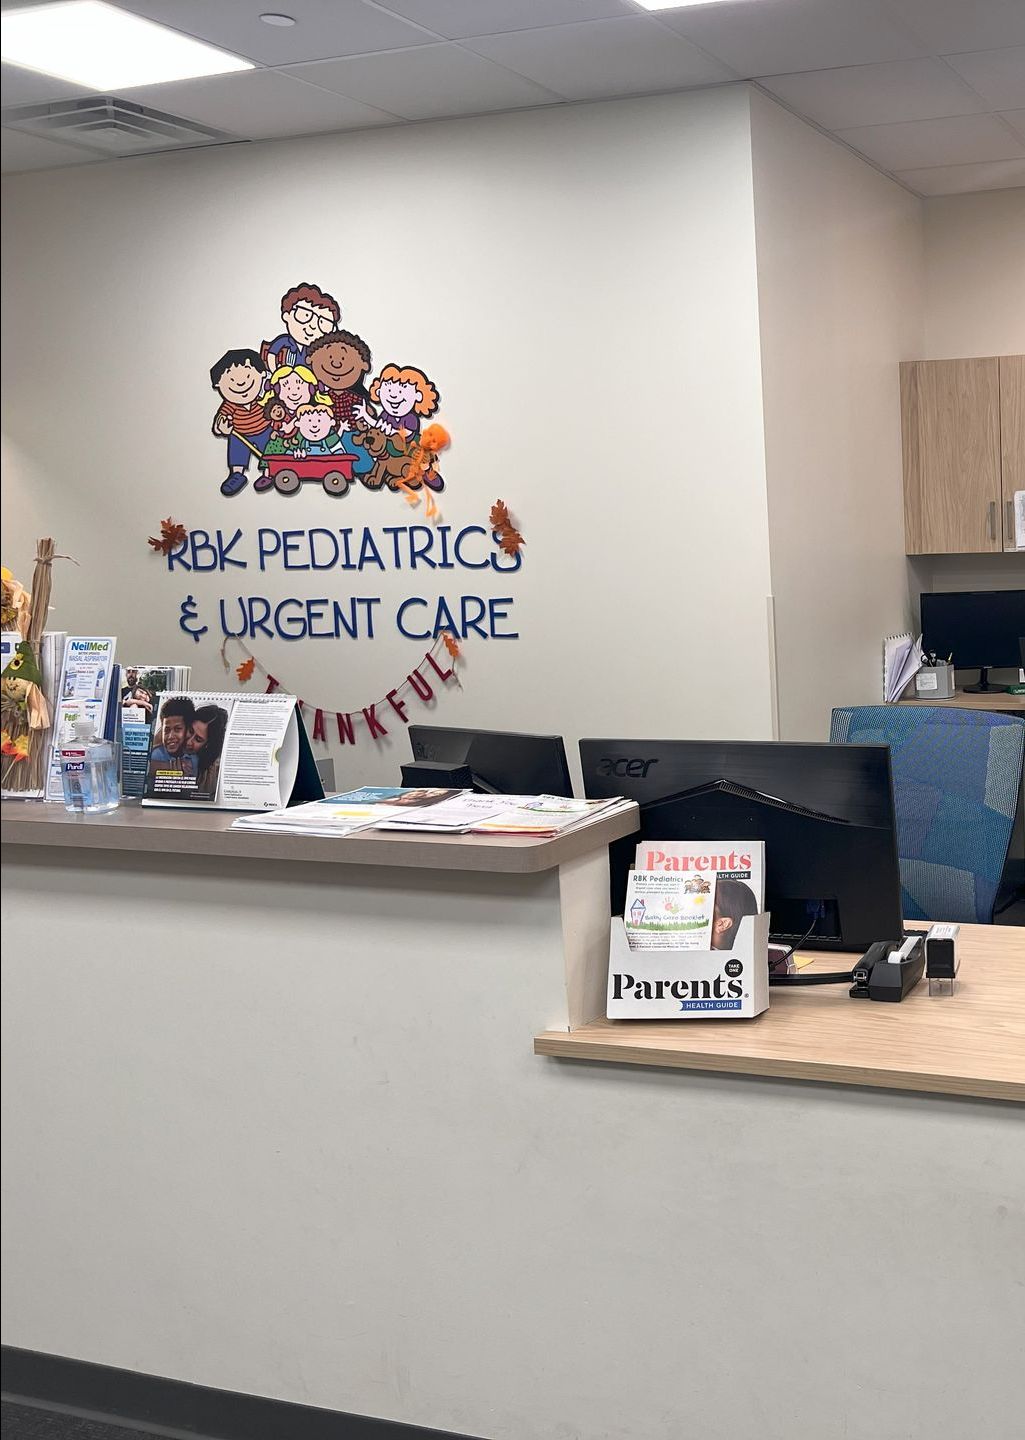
column 406, row 398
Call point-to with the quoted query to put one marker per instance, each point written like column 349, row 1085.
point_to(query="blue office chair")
column 956, row 778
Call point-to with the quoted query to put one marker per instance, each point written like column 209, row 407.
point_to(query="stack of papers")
column 439, row 812
column 902, row 660
column 359, row 809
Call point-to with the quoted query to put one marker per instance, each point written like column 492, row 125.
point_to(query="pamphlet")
column 84, row 693
column 337, row 815
column 543, row 815
column 230, row 752
column 455, row 816
column 139, row 689
column 669, row 911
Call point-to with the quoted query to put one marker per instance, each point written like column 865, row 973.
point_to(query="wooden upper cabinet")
column 950, row 419
column 1012, row 437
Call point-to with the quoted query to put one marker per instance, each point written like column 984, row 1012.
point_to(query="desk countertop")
column 996, row 700
column 177, row 832
column 972, row 1043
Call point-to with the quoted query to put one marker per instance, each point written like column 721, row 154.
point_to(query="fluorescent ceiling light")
column 95, row 45
column 675, row 4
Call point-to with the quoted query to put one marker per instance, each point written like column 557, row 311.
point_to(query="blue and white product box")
column 690, row 984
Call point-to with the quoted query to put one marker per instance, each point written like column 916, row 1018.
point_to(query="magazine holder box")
column 690, row 984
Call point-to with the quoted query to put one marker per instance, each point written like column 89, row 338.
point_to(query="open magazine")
column 693, row 894
column 229, row 752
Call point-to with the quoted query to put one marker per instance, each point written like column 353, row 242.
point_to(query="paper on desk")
column 902, row 660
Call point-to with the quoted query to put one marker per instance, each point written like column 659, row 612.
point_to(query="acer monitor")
column 979, row 629
column 825, row 813
column 494, row 762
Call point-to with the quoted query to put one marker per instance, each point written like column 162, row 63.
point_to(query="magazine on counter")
column 543, row 815
column 360, row 809
column 733, row 870
column 139, row 688
column 229, row 752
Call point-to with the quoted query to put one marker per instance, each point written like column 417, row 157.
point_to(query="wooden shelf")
column 970, row 1044
column 191, row 832
column 997, row 701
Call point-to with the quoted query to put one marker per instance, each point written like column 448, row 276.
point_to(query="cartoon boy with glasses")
column 307, row 312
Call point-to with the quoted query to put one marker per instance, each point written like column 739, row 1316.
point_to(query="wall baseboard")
column 81, row 1387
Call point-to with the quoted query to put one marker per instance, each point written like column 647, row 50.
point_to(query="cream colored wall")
column 839, row 252
column 581, row 283
column 974, row 299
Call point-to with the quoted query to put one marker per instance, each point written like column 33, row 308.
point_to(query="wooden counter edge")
column 158, row 833
column 576, row 1045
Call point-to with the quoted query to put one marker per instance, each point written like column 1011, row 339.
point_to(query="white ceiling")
column 930, row 91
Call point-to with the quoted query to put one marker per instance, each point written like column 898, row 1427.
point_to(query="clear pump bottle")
column 89, row 772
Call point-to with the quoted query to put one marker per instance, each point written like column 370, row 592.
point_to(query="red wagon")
column 289, row 471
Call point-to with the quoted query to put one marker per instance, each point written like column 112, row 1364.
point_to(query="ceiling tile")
column 997, row 75
column 959, row 140
column 876, row 94
column 21, row 151
column 426, row 83
column 259, row 105
column 951, row 26
column 459, row 18
column 19, row 86
column 603, row 58
column 1016, row 120
column 959, row 179
column 780, row 37
column 323, row 29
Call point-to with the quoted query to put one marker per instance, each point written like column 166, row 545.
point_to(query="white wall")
column 580, row 282
column 838, row 283
column 974, row 275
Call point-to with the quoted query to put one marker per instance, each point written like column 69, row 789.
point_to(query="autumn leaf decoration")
column 451, row 644
column 509, row 538
column 245, row 670
column 171, row 536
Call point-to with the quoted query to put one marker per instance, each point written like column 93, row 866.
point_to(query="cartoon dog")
column 391, row 464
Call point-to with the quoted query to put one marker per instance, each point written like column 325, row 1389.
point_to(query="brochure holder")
column 255, row 755
column 690, row 984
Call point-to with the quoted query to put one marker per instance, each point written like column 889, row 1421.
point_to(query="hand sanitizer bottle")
column 89, row 772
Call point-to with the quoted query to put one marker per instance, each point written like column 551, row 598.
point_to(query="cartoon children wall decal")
column 307, row 313
column 238, row 377
column 301, row 407
column 406, row 397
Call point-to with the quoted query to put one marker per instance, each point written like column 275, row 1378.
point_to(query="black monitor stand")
column 984, row 687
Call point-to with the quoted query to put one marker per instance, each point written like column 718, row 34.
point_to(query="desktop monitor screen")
column 825, row 813
column 500, row 761
column 979, row 628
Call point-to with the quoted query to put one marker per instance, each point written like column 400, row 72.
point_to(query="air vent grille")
column 110, row 126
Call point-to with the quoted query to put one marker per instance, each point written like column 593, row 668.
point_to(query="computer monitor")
column 493, row 761
column 825, row 813
column 980, row 629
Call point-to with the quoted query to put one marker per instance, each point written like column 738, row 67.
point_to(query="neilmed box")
column 690, row 984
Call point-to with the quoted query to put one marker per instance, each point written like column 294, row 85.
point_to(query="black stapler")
column 889, row 971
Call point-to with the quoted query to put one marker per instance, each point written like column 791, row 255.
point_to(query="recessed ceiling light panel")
column 89, row 43
column 675, row 4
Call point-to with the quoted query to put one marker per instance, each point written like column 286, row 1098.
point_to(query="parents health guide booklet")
column 692, row 894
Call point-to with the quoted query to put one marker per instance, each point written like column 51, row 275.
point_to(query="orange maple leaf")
column 171, row 536
column 451, row 644
column 510, row 541
column 245, row 670
column 499, row 515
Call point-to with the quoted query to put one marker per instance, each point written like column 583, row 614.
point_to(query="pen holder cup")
column 935, row 682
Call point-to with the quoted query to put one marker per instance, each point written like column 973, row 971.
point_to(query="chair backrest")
column 956, row 778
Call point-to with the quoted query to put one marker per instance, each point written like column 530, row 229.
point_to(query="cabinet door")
column 1012, row 437
column 950, row 416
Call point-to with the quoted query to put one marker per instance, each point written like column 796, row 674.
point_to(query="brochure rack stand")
column 690, row 984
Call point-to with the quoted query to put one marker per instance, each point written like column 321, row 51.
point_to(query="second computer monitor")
column 498, row 761
column 825, row 813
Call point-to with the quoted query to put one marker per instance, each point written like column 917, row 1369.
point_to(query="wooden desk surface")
column 196, row 832
column 972, row 1043
column 998, row 700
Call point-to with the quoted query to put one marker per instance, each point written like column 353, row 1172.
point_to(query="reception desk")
column 274, row 1123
